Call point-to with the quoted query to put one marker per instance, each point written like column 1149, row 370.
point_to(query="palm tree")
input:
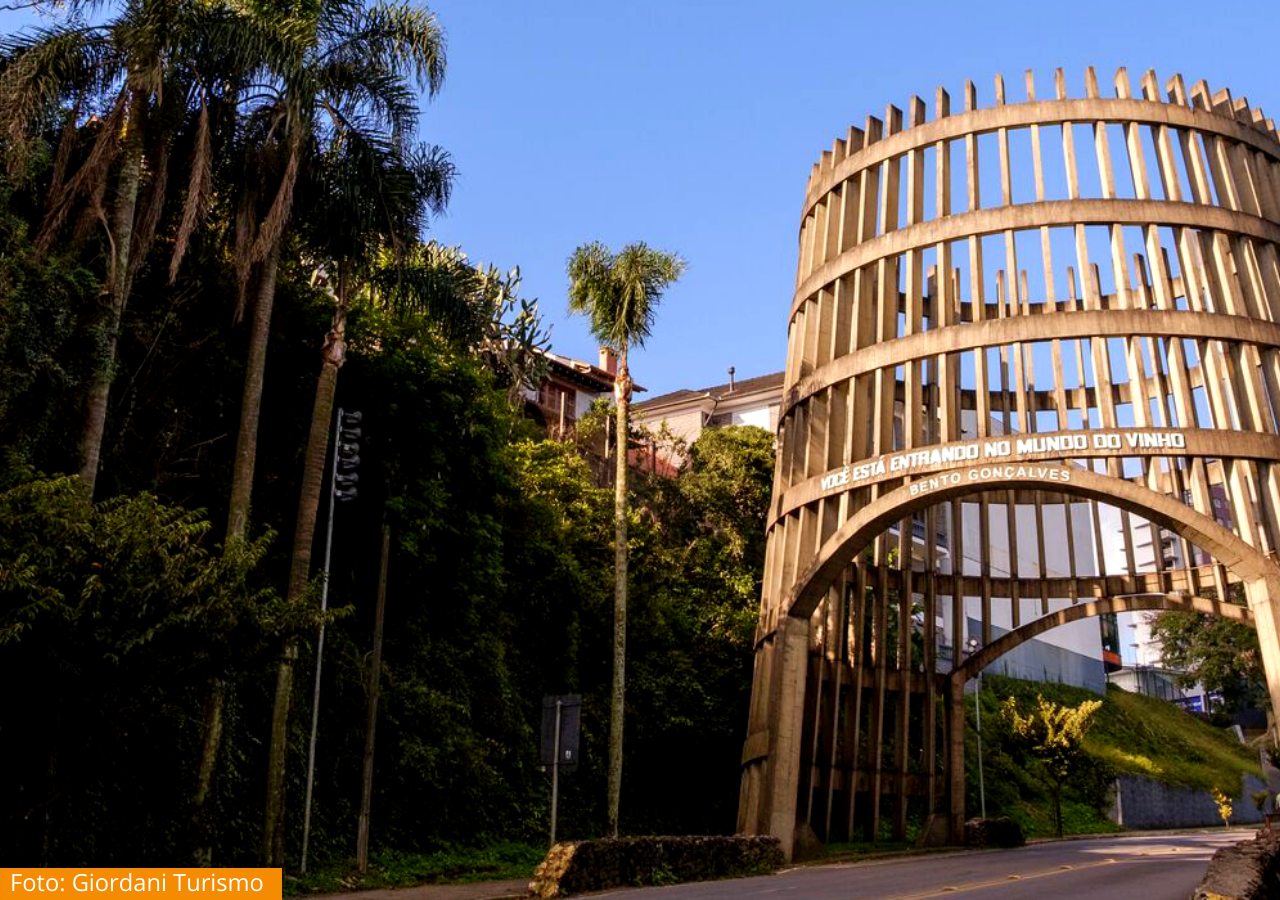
column 363, row 193
column 619, row 294
column 348, row 72
column 144, row 74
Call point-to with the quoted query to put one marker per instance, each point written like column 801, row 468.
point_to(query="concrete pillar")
column 1263, row 595
column 782, row 774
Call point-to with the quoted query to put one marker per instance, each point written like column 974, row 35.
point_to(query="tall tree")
column 364, row 192
column 145, row 74
column 1219, row 653
column 346, row 68
column 619, row 294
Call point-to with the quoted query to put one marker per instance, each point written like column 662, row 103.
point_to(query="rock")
column 1249, row 870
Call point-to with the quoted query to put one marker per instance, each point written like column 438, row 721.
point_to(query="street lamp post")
column 972, row 646
column 342, row 486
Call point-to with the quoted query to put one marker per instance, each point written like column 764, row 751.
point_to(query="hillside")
column 1131, row 735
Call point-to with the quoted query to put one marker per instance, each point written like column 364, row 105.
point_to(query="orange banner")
column 32, row 882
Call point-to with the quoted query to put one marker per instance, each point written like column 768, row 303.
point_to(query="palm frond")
column 619, row 293
column 106, row 146
column 38, row 69
column 397, row 37
column 199, row 187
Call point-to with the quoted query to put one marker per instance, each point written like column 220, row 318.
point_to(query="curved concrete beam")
column 1144, row 602
column 1026, row 216
column 1201, row 442
column 876, row 517
column 1039, row 112
column 1096, row 323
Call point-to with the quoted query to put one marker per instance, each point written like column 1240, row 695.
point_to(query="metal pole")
column 324, row 605
column 982, row 789
column 555, row 772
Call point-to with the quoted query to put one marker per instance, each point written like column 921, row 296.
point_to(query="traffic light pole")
column 324, row 605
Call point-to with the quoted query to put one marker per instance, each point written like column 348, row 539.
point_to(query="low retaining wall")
column 1142, row 803
column 1249, row 870
column 577, row 867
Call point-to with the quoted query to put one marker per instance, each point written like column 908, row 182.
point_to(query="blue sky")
column 692, row 126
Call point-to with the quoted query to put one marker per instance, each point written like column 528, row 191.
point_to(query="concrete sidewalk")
column 480, row 890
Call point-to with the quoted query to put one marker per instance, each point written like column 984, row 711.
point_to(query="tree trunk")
column 622, row 393
column 119, row 282
column 251, row 401
column 1057, row 809
column 214, row 702
column 375, row 676
column 237, row 519
column 299, row 575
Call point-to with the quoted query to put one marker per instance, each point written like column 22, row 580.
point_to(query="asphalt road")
column 1131, row 868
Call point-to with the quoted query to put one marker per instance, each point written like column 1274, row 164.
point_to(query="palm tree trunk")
column 237, row 519
column 119, row 280
column 622, row 391
column 251, row 401
column 299, row 575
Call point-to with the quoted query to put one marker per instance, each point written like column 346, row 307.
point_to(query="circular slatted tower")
column 1033, row 377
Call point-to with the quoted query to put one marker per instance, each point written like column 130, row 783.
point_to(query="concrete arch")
column 876, row 517
column 1139, row 603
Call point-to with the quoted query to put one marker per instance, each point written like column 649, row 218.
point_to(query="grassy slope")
column 1135, row 735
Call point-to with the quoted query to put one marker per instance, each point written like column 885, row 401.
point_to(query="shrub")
column 581, row 866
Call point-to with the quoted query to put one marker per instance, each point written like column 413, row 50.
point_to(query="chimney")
column 731, row 370
column 608, row 361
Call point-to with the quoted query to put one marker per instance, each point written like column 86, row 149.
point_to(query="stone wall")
column 582, row 866
column 1142, row 803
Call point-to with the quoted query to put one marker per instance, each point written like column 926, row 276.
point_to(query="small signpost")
column 561, row 718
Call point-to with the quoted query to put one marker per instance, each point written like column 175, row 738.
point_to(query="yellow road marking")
column 993, row 882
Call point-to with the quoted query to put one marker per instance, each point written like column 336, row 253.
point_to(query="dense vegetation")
column 172, row 329
column 1129, row 734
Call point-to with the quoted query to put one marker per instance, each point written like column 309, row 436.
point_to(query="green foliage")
column 1051, row 733
column 1128, row 734
column 1053, row 736
column 125, row 613
column 42, row 299
column 1219, row 653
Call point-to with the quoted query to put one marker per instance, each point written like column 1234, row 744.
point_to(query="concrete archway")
column 1259, row 575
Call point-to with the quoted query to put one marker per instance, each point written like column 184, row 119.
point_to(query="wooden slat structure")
column 1017, row 439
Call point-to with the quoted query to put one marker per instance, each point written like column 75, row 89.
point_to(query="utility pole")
column 375, row 676
column 555, row 771
column 342, row 486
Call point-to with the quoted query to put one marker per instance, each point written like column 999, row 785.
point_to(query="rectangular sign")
column 570, row 722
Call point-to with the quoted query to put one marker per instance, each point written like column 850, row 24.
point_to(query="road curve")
column 1143, row 868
